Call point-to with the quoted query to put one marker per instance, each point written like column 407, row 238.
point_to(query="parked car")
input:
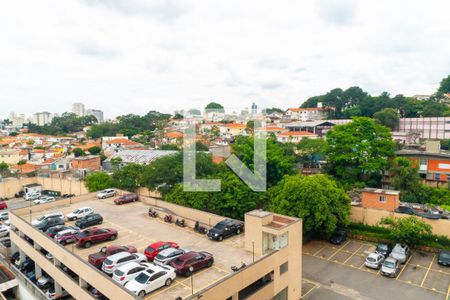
column 374, row 260
column 129, row 271
column 96, row 259
column 400, row 252
column 43, row 200
column 50, row 222
column 167, row 255
column 31, row 276
column 127, row 198
column 444, row 258
column 196, row 260
column 27, row 265
column 3, row 205
column 405, row 210
column 32, row 196
column 45, row 217
column 148, row 281
column 95, row 235
column 4, row 216
column 89, row 220
column 390, row 267
column 52, row 231
column 224, row 229
column 338, row 237
column 152, row 250
column 51, row 293
column 79, row 213
column 114, row 261
column 384, row 248
column 44, row 282
column 106, row 194
column 67, row 236
column 6, row 242
column 4, row 231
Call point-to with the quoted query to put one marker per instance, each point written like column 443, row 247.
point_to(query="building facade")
column 97, row 113
column 42, row 118
column 79, row 109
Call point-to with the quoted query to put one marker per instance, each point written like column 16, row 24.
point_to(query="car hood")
column 386, row 269
column 35, row 222
column 134, row 286
column 43, row 280
column 214, row 230
column 397, row 255
column 71, row 215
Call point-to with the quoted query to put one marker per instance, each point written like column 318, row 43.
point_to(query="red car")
column 153, row 250
column 3, row 205
column 197, row 260
column 126, row 199
column 96, row 259
column 95, row 235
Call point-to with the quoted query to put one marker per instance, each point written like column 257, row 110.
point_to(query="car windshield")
column 77, row 211
column 159, row 256
column 118, row 273
column 382, row 247
column 220, row 226
column 108, row 262
column 389, row 264
column 371, row 259
column 445, row 255
column 149, row 249
column 142, row 278
column 41, row 218
column 178, row 261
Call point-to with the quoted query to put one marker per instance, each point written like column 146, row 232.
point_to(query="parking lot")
column 421, row 269
column 136, row 228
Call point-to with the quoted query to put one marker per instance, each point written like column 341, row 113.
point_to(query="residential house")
column 230, row 130
column 90, row 163
column 141, row 157
column 307, row 114
column 173, row 137
column 10, row 156
column 295, row 136
column 319, row 127
column 380, row 199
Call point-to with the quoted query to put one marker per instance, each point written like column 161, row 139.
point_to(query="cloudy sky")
column 132, row 56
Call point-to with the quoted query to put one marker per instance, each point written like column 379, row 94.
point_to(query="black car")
column 89, row 220
column 384, row 248
column 405, row 210
column 338, row 237
column 225, row 229
column 27, row 265
column 50, row 222
column 444, row 258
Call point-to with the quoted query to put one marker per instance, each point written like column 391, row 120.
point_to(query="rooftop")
column 381, row 191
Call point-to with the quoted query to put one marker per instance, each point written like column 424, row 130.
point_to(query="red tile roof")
column 297, row 133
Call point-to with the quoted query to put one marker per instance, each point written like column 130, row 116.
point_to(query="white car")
column 80, row 213
column 32, row 196
column 41, row 219
column 150, row 280
column 4, row 231
column 112, row 262
column 106, row 194
column 43, row 200
column 129, row 271
column 4, row 216
column 374, row 260
column 167, row 255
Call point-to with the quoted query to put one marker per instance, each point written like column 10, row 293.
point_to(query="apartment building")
column 41, row 118
column 271, row 247
column 98, row 114
column 79, row 109
column 307, row 114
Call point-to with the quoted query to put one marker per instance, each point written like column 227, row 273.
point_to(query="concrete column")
column 14, row 248
column 22, row 256
column 38, row 271
column 235, row 297
column 56, row 262
column 37, row 247
column 83, row 283
column 58, row 289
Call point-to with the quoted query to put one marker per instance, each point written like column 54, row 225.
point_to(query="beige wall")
column 12, row 186
column 372, row 216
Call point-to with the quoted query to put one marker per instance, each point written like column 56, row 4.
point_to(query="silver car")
column 167, row 255
column 374, row 260
column 400, row 252
column 390, row 267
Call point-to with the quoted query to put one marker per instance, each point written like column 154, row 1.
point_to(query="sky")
column 131, row 56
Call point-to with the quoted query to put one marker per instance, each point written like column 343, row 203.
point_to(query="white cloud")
column 130, row 56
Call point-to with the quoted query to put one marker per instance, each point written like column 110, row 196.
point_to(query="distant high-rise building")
column 78, row 109
column 17, row 119
column 98, row 114
column 42, row 118
column 254, row 108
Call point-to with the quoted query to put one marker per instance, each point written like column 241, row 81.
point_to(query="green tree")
column 408, row 230
column 128, row 177
column 359, row 151
column 98, row 181
column 94, row 150
column 3, row 166
column 13, row 133
column 269, row 111
column 213, row 106
column 316, row 199
column 199, row 146
column 169, row 147
column 311, row 151
column 78, row 152
column 387, row 117
column 444, row 87
column 405, row 175
column 22, row 162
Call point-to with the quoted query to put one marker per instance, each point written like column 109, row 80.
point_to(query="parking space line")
column 426, row 274
column 404, row 267
column 353, row 254
column 339, row 249
column 317, row 252
column 308, row 292
column 448, row 292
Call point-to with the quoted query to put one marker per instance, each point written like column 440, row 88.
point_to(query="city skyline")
column 131, row 56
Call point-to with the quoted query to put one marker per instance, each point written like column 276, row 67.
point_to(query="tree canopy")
column 214, row 106
column 66, row 123
column 408, row 230
column 98, row 181
column 94, row 150
column 359, row 151
column 316, row 199
column 444, row 87
column 387, row 117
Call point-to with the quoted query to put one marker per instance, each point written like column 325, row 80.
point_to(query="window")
column 382, row 199
column 437, row 176
column 284, row 268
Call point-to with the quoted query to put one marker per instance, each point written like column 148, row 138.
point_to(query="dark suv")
column 50, row 222
column 89, row 220
column 225, row 229
column 126, row 199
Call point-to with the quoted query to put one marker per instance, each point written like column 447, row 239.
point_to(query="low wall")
column 370, row 216
column 12, row 186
